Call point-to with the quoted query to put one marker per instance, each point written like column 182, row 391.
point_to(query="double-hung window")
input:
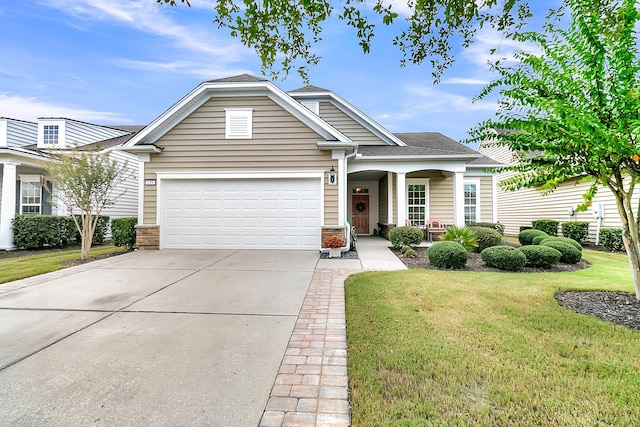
column 471, row 201
column 30, row 195
column 417, row 201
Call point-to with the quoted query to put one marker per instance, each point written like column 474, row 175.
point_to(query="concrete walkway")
column 312, row 386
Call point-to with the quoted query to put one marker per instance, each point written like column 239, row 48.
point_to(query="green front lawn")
column 20, row 267
column 450, row 348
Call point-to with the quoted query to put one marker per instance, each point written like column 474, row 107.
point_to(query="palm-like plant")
column 463, row 235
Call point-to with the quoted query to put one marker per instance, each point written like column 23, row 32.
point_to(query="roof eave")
column 336, row 145
column 145, row 148
column 421, row 157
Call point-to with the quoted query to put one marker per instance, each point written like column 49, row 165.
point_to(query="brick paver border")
column 311, row 388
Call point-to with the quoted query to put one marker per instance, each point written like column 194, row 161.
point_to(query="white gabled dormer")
column 51, row 133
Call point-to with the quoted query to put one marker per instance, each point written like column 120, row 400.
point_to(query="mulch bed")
column 619, row 308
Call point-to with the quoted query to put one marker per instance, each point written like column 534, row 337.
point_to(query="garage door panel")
column 211, row 214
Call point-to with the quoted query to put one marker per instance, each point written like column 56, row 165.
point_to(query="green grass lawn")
column 20, row 267
column 450, row 348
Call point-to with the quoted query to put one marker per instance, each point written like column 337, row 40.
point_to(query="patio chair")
column 435, row 227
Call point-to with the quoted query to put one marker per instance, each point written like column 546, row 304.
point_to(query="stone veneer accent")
column 148, row 237
column 333, row 230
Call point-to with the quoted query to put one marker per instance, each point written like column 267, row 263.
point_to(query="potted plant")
column 335, row 245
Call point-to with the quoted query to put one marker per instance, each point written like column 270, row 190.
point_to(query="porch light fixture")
column 357, row 190
column 332, row 175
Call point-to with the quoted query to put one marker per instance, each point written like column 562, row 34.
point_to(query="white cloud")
column 152, row 18
column 200, row 70
column 29, row 109
column 430, row 100
column 479, row 52
column 464, row 81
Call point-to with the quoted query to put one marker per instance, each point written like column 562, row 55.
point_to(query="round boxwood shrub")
column 447, row 255
column 538, row 239
column 504, row 258
column 572, row 242
column 526, row 236
column 540, row 256
column 486, row 238
column 409, row 236
column 570, row 255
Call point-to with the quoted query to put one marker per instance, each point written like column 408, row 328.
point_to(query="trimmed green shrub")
column 123, row 232
column 526, row 236
column 496, row 226
column 486, row 238
column 576, row 230
column 572, row 242
column 538, row 239
column 504, row 258
column 540, row 256
column 42, row 231
column 447, row 255
column 549, row 226
column 100, row 232
column 525, row 227
column 404, row 249
column 611, row 238
column 410, row 253
column 570, row 255
column 409, row 236
column 462, row 235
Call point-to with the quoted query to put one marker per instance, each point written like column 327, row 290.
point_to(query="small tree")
column 574, row 109
column 86, row 181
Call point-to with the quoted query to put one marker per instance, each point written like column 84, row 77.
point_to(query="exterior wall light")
column 332, row 175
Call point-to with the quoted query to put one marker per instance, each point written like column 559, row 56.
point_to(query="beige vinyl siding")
column 519, row 208
column 486, row 199
column 348, row 126
column 280, row 143
column 441, row 198
column 383, row 200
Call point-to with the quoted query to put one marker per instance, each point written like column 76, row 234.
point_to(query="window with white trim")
column 50, row 134
column 417, row 201
column 238, row 123
column 471, row 201
column 30, row 195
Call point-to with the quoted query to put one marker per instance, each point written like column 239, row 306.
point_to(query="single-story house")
column 239, row 163
column 24, row 187
column 519, row 208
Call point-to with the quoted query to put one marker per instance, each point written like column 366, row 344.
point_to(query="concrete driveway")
column 150, row 338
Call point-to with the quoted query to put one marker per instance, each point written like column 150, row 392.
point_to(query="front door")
column 360, row 213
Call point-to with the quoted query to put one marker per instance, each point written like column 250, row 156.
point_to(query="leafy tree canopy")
column 573, row 109
column 287, row 30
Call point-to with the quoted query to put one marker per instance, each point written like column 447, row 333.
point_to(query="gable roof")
column 236, row 85
column 315, row 92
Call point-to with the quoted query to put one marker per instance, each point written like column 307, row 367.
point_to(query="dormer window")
column 238, row 123
column 50, row 135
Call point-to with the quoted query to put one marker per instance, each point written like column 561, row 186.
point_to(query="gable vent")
column 238, row 123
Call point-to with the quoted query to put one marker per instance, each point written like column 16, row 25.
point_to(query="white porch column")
column 142, row 159
column 389, row 197
column 401, row 191
column 458, row 199
column 341, row 173
column 8, row 204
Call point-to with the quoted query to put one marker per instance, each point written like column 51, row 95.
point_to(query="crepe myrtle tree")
column 573, row 108
column 86, row 181
column 287, row 30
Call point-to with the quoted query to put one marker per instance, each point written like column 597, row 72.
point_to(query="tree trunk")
column 630, row 238
column 86, row 236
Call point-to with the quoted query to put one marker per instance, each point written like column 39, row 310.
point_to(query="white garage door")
column 240, row 214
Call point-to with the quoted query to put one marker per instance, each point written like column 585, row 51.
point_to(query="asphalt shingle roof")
column 309, row 88
column 242, row 78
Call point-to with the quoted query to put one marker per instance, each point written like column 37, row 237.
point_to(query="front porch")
column 379, row 200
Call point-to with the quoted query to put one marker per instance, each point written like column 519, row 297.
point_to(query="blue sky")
column 126, row 61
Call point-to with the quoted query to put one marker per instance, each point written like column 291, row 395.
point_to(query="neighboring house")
column 238, row 163
column 24, row 187
column 519, row 208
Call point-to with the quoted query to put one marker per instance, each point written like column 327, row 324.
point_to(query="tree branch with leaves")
column 575, row 108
